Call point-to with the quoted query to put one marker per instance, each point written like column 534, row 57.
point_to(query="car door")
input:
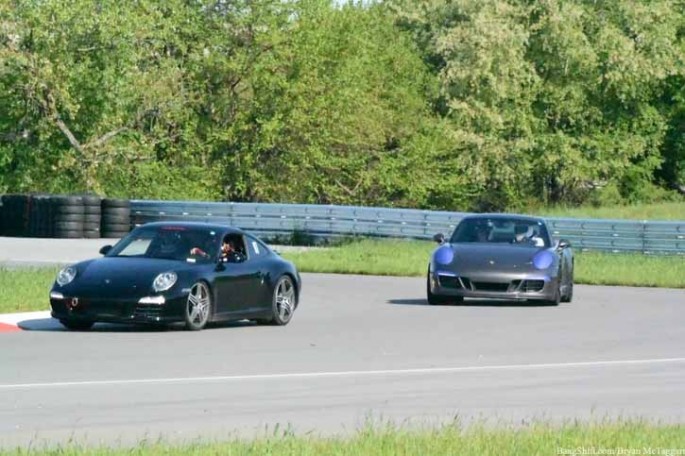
column 236, row 283
column 259, row 254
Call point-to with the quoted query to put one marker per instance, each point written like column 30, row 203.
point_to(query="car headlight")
column 543, row 259
column 66, row 275
column 444, row 255
column 164, row 281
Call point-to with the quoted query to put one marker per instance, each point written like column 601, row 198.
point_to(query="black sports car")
column 500, row 256
column 178, row 272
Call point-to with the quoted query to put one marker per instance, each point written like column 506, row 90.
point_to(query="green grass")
column 535, row 439
column 410, row 258
column 655, row 211
column 25, row 289
column 30, row 287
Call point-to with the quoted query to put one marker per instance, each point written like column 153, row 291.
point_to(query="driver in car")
column 526, row 234
column 229, row 254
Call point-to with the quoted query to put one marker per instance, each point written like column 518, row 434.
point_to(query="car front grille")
column 450, row 282
column 532, row 286
column 490, row 286
column 147, row 312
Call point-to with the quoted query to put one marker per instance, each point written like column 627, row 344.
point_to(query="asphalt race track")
column 358, row 349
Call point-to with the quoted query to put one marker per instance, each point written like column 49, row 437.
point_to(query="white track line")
column 314, row 375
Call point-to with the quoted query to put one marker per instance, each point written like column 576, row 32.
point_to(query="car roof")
column 225, row 229
column 496, row 215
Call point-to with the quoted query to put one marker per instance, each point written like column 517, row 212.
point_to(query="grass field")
column 537, row 439
column 654, row 211
column 27, row 289
column 410, row 258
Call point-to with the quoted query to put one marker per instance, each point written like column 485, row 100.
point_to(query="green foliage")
column 459, row 104
column 547, row 99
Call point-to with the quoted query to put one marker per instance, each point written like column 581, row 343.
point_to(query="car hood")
column 117, row 277
column 493, row 256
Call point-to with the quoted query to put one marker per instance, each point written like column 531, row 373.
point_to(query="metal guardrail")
column 325, row 221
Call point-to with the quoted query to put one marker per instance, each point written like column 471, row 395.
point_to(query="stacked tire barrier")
column 69, row 216
column 92, row 214
column 40, row 216
column 64, row 216
column 116, row 218
column 16, row 210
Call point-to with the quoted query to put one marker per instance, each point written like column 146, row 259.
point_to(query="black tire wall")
column 16, row 214
column 116, row 218
column 68, row 216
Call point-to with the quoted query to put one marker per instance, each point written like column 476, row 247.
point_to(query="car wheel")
column 77, row 325
column 557, row 297
column 198, row 307
column 568, row 297
column 437, row 300
column 284, row 302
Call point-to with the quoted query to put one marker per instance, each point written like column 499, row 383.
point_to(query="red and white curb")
column 27, row 320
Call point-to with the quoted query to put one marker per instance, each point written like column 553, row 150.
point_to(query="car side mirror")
column 439, row 238
column 563, row 244
column 104, row 250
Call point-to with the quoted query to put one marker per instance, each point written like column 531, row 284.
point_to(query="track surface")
column 361, row 348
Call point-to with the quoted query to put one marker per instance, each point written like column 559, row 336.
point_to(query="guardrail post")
column 643, row 235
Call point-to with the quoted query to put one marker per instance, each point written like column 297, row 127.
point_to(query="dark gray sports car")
column 500, row 256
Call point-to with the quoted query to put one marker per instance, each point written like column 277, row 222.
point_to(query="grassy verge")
column 25, row 289
column 655, row 211
column 29, row 287
column 410, row 258
column 537, row 439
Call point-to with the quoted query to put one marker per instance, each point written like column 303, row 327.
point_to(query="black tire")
column 115, row 220
column 17, row 213
column 198, row 312
column 569, row 290
column 91, row 200
column 69, row 226
column 77, row 325
column 115, row 227
column 115, row 203
column 568, row 297
column 61, row 218
column 113, row 234
column 92, row 218
column 117, row 211
column 94, row 210
column 439, row 300
column 283, row 302
column 557, row 298
column 66, row 200
column 69, row 209
column 91, row 226
column 91, row 234
column 68, row 234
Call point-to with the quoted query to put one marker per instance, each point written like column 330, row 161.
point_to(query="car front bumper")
column 121, row 310
column 492, row 285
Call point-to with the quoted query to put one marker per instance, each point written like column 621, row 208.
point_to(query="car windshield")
column 514, row 231
column 193, row 245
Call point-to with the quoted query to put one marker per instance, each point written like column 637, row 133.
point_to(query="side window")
column 257, row 249
column 233, row 249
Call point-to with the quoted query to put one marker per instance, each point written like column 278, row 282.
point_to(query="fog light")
column 158, row 300
column 56, row 295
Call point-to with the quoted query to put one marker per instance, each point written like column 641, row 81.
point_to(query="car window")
column 257, row 248
column 195, row 245
column 138, row 246
column 502, row 230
